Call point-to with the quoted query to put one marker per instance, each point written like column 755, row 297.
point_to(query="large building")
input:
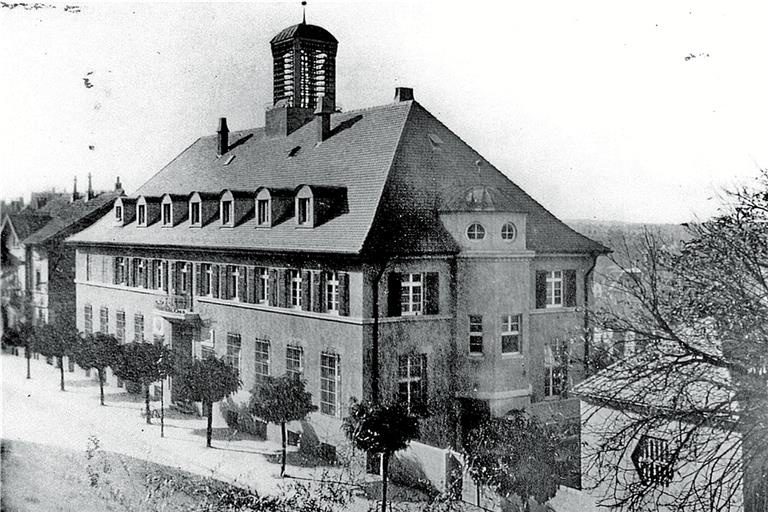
column 364, row 250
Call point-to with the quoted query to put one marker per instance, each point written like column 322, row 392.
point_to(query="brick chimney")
column 118, row 185
column 403, row 94
column 223, row 132
column 323, row 114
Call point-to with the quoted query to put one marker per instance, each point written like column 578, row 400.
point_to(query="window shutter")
column 273, row 279
column 146, row 273
column 570, row 288
column 152, row 273
column 189, row 278
column 257, row 284
column 115, row 271
column 306, row 290
column 433, row 293
column 424, row 381
column 215, row 281
column 541, row 289
column 344, row 293
column 129, row 271
column 198, row 279
column 318, row 292
column 243, row 285
column 250, row 296
column 393, row 297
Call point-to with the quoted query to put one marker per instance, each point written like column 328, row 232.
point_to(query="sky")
column 628, row 111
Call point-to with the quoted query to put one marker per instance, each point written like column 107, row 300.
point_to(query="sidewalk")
column 36, row 411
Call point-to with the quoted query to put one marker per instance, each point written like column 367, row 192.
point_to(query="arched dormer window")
column 195, row 210
column 166, row 211
column 141, row 212
column 119, row 210
column 227, row 209
column 264, row 208
column 305, row 216
column 124, row 211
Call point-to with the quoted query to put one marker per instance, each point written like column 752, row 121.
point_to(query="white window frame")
column 506, row 229
column 552, row 367
column 264, row 277
column 141, row 215
column 411, row 302
column 230, row 354
column 476, row 231
column 264, row 363
column 332, row 292
column 330, row 376
column 555, row 289
column 141, row 268
column 121, row 263
column 206, row 281
column 138, row 334
column 120, row 325
column 88, row 318
column 234, row 283
column 476, row 321
column 184, row 270
column 195, row 206
column 159, row 274
column 412, row 362
column 262, row 220
column 294, row 365
column 304, row 211
column 296, row 282
column 167, row 219
column 510, row 326
column 227, row 212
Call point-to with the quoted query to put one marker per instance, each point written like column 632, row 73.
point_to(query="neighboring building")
column 13, row 257
column 301, row 246
column 51, row 263
column 646, row 426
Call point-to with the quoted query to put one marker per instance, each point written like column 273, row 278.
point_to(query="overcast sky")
column 609, row 110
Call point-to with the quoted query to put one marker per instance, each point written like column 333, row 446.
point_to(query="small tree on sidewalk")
column 280, row 400
column 516, row 455
column 97, row 351
column 28, row 340
column 384, row 429
column 59, row 339
column 206, row 380
column 144, row 363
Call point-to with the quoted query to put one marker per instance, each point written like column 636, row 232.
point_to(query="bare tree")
column 698, row 312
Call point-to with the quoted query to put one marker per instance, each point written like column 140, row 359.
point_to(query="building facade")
column 364, row 250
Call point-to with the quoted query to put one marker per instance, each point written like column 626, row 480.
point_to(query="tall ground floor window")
column 88, row 318
column 232, row 357
column 262, row 360
column 330, row 375
column 554, row 372
column 120, row 326
column 412, row 380
column 138, row 327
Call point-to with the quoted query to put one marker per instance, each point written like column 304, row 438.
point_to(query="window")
column 88, row 318
column 262, row 360
column 262, row 209
column 332, row 292
column 138, row 327
column 194, row 212
column 233, row 284
column 294, row 361
column 140, row 273
column 159, row 274
column 226, row 212
column 38, row 279
column 303, row 210
column 411, row 381
column 510, row 334
column 185, row 273
column 205, row 279
column 264, row 288
column 120, row 267
column 475, row 334
column 508, row 232
column 119, row 213
column 141, row 214
column 555, row 288
column 554, row 376
column 104, row 320
column 411, row 294
column 329, row 382
column 653, row 460
column 167, row 221
column 87, row 267
column 475, row 231
column 232, row 357
column 120, row 326
column 296, row 289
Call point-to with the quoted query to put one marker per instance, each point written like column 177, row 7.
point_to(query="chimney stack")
column 89, row 192
column 118, row 185
column 403, row 94
column 223, row 132
column 323, row 114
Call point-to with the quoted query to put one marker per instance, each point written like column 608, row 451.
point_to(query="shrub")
column 238, row 417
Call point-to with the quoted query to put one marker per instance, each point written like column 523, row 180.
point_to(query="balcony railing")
column 175, row 303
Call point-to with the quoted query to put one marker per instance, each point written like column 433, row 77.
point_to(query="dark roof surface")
column 304, row 31
column 386, row 160
column 25, row 223
column 67, row 217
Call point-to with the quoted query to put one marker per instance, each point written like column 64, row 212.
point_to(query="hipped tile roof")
column 385, row 157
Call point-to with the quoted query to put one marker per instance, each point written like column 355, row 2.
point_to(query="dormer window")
column 194, row 213
column 119, row 214
column 226, row 213
column 167, row 217
column 141, row 215
column 304, row 211
column 262, row 212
